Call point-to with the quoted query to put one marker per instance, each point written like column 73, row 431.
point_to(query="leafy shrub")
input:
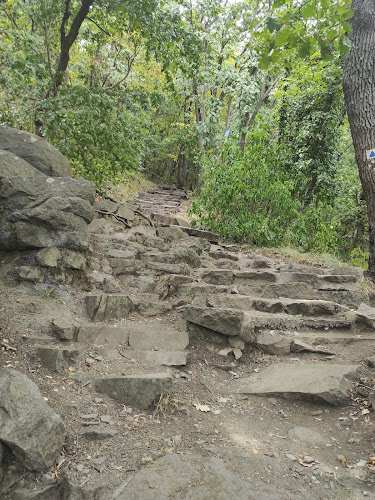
column 244, row 196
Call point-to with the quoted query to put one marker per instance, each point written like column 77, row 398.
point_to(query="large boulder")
column 33, row 431
column 35, row 151
column 11, row 165
column 45, row 212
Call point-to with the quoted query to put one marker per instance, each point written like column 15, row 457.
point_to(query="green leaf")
column 347, row 27
column 304, row 50
column 332, row 34
column 282, row 37
column 308, row 11
column 264, row 61
column 348, row 14
column 278, row 3
column 272, row 24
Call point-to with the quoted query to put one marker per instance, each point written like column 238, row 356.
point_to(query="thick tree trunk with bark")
column 359, row 92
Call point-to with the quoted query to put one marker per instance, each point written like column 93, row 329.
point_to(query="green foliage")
column 311, row 112
column 244, row 196
column 101, row 132
column 359, row 258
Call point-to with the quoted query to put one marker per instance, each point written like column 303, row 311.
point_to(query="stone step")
column 316, row 280
column 348, row 298
column 253, row 322
column 320, row 383
column 287, row 306
column 103, row 335
column 137, row 391
column 157, row 358
column 233, row 277
column 104, row 307
column 333, row 337
column 189, row 291
column 199, row 233
column 233, row 322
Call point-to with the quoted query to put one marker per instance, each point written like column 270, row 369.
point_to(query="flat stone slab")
column 320, row 383
column 149, row 337
column 225, row 321
column 199, row 233
column 139, row 391
column 158, row 358
column 254, row 320
column 103, row 334
column 186, row 477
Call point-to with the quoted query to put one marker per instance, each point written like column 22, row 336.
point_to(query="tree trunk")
column 359, row 92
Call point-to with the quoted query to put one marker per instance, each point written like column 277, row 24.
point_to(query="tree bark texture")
column 359, row 92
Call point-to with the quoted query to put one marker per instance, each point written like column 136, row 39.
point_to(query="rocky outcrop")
column 33, row 431
column 43, row 210
column 35, row 151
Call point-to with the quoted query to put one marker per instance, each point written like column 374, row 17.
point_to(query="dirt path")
column 208, row 323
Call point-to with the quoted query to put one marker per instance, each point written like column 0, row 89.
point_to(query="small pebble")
column 98, row 400
column 291, row 457
column 308, row 460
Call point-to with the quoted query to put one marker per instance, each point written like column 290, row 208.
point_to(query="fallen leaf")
column 203, row 408
column 343, row 460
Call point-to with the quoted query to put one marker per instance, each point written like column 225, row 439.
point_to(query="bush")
column 244, row 196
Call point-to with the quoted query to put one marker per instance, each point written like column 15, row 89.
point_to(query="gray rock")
column 31, row 273
column 107, row 307
column 107, row 205
column 100, row 226
column 225, row 321
column 309, row 436
column 371, row 361
column 164, row 339
column 366, row 315
column 141, row 283
column 206, row 235
column 35, row 151
column 74, row 260
column 12, row 165
column 49, row 257
column 320, row 383
column 236, row 343
column 49, row 492
column 139, row 391
column 103, row 335
column 99, row 434
column 150, row 306
column 1, row 453
column 171, row 233
column 38, row 440
column 187, row 477
column 64, row 328
column 218, row 277
column 158, row 358
column 308, row 460
column 126, row 212
column 274, row 343
column 45, row 212
column 57, row 359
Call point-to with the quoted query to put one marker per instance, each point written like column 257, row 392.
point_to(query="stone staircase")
column 155, row 291
column 249, row 301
